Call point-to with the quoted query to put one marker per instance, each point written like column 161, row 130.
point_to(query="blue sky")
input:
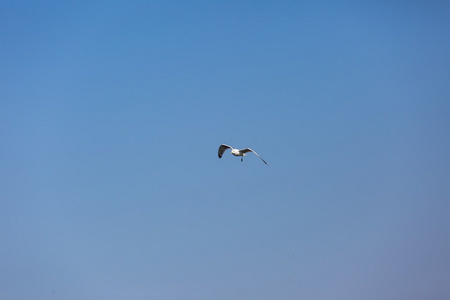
column 112, row 113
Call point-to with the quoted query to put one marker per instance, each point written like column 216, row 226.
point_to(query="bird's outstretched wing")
column 222, row 149
column 250, row 150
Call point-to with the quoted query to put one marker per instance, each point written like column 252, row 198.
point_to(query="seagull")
column 237, row 152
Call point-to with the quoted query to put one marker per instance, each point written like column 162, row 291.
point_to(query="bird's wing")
column 222, row 149
column 250, row 150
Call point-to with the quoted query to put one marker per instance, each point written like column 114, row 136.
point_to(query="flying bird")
column 237, row 152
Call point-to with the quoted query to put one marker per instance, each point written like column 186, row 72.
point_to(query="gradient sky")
column 110, row 119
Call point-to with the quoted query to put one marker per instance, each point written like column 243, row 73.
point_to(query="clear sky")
column 112, row 113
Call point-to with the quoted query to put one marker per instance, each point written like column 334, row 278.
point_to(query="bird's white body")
column 237, row 152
